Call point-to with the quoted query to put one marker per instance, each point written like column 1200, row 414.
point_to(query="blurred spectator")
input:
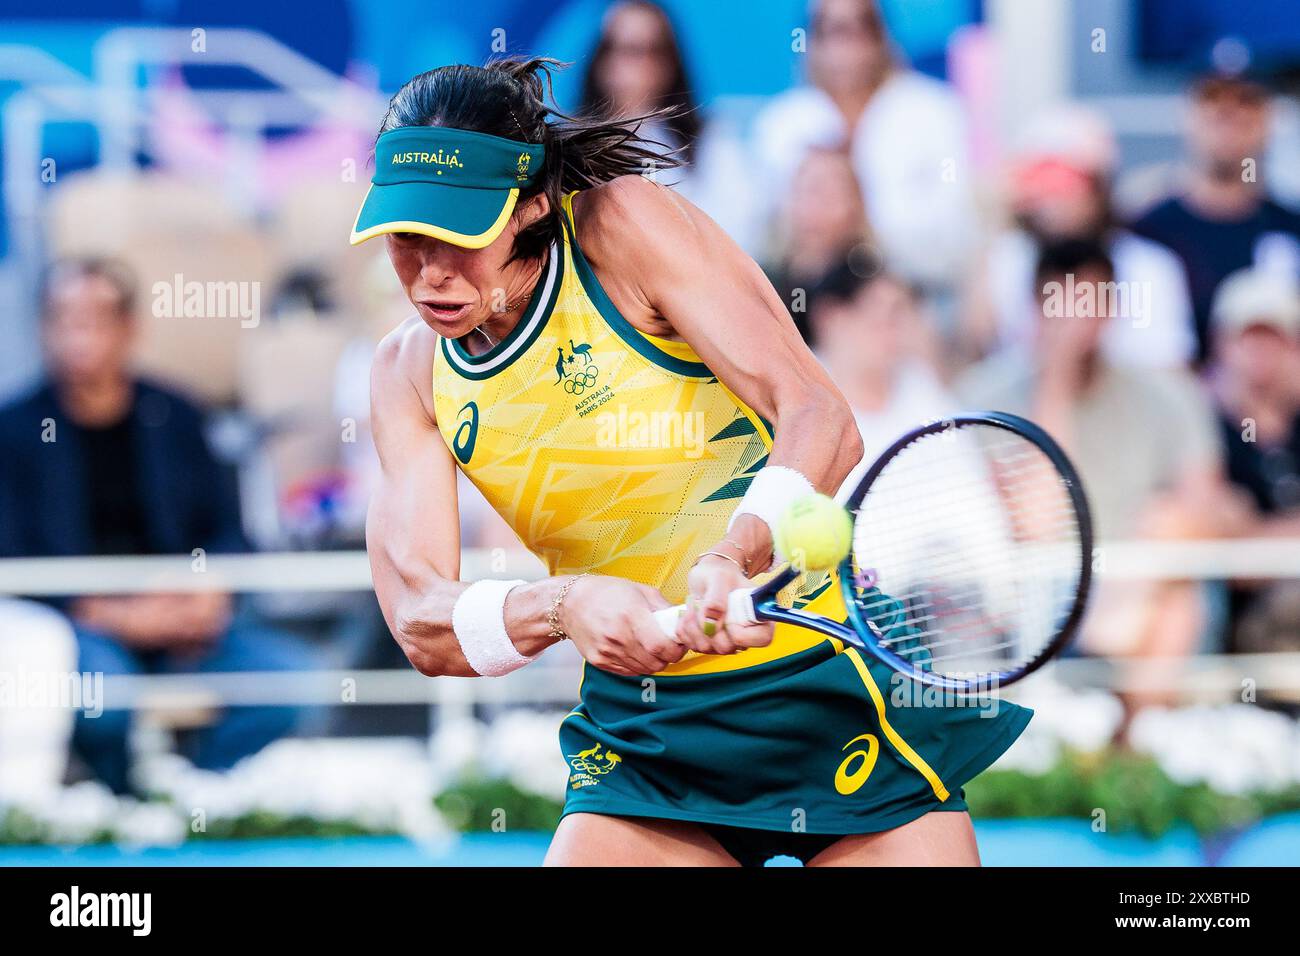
column 102, row 463
column 1283, row 156
column 637, row 68
column 822, row 226
column 1060, row 189
column 1220, row 220
column 38, row 659
column 906, row 133
column 1256, row 383
column 384, row 306
column 870, row 336
column 1144, row 443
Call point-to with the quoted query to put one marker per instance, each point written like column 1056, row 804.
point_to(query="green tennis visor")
column 451, row 184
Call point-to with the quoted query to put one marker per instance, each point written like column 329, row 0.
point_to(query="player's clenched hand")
column 704, row 626
column 610, row 621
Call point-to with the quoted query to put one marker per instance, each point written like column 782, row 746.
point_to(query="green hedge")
column 484, row 805
column 253, row 826
column 19, row 828
column 1136, row 795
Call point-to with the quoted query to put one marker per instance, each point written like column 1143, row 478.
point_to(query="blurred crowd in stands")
column 1157, row 338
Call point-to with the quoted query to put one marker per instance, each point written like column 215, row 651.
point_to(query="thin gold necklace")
column 511, row 306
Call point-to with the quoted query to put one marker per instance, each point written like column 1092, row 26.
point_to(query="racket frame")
column 764, row 597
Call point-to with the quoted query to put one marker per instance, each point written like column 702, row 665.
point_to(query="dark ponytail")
column 508, row 98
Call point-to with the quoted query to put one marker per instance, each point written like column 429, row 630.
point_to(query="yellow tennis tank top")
column 606, row 449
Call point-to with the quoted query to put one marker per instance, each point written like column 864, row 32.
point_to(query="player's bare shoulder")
column 639, row 236
column 632, row 212
column 402, row 372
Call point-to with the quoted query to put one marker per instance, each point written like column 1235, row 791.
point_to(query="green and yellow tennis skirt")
column 805, row 735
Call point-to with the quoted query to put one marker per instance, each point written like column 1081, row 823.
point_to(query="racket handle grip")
column 667, row 617
column 740, row 610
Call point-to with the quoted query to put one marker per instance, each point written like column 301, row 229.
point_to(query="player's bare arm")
column 675, row 274
column 413, row 537
column 510, row 256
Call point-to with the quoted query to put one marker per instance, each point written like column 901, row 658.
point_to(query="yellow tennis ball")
column 814, row 533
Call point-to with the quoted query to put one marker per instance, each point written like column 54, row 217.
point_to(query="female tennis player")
column 628, row 392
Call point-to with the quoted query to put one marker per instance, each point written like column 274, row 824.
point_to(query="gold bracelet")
column 749, row 573
column 744, row 568
column 719, row 554
column 750, row 570
column 553, row 615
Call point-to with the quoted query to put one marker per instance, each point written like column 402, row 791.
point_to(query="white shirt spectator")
column 38, row 656
column 918, row 397
column 909, row 152
column 1162, row 337
column 720, row 180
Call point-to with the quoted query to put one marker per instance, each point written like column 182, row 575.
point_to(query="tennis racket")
column 971, row 557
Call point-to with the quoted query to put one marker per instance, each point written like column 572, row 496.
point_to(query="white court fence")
column 1203, row 677
column 324, row 571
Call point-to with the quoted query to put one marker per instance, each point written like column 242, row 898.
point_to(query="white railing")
column 1209, row 678
column 1201, row 677
column 1264, row 558
column 120, row 54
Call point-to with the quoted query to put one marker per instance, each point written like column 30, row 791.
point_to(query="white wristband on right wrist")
column 772, row 491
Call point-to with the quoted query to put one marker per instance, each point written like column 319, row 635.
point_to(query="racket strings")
column 972, row 538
